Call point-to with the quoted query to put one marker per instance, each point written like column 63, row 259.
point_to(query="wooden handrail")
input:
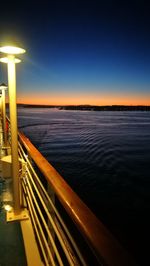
column 105, row 247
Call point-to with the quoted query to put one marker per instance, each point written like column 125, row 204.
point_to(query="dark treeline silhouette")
column 107, row 108
column 91, row 107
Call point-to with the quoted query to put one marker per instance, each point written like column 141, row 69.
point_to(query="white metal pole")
column 13, row 127
column 4, row 116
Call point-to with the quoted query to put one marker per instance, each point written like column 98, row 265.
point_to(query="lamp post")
column 11, row 61
column 3, row 87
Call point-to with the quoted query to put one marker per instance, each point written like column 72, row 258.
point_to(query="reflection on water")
column 105, row 157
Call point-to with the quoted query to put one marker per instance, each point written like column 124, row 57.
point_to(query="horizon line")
column 86, row 105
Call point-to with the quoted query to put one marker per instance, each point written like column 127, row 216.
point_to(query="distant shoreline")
column 90, row 107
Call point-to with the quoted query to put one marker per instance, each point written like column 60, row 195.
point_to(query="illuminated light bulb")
column 12, row 50
column 7, row 207
column 6, row 60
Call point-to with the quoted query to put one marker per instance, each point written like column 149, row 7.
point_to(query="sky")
column 79, row 52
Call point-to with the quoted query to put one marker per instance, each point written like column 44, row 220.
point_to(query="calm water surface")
column 105, row 157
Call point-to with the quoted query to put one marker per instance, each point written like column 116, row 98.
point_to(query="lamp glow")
column 7, row 207
column 5, row 60
column 12, row 50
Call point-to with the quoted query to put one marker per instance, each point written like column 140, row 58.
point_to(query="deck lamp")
column 11, row 60
column 3, row 88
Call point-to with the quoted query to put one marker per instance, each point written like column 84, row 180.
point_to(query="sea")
column 105, row 157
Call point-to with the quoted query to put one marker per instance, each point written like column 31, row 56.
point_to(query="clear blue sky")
column 80, row 52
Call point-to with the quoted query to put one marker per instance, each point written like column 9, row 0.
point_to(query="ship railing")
column 49, row 199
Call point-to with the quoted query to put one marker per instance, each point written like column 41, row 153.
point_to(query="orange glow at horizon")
column 83, row 99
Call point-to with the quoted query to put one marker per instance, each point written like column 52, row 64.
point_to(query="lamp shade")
column 6, row 60
column 12, row 50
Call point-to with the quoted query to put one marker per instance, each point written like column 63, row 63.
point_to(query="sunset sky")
column 80, row 52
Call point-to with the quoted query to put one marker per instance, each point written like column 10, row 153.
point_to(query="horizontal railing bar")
column 67, row 245
column 35, row 226
column 106, row 248
column 29, row 165
column 30, row 197
column 51, row 220
column 42, row 218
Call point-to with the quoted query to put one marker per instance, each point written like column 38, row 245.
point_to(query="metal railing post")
column 13, row 127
